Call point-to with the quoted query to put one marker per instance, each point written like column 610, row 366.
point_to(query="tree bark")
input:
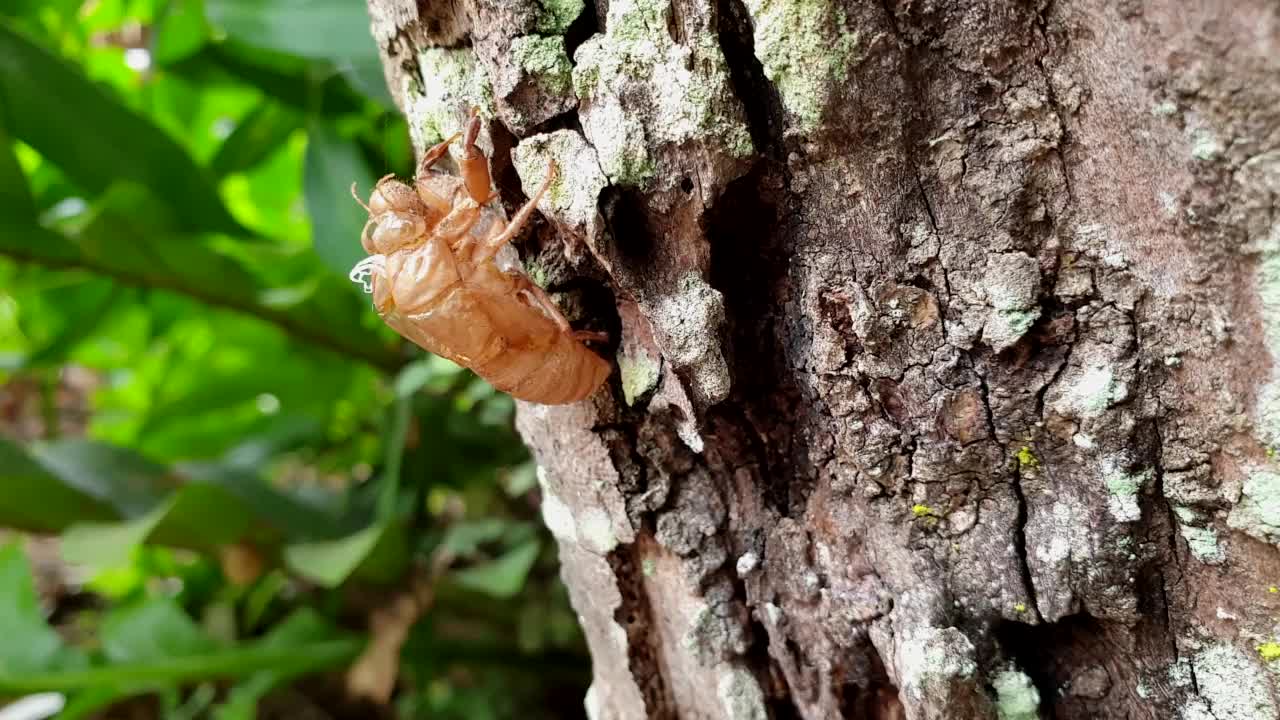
column 945, row 335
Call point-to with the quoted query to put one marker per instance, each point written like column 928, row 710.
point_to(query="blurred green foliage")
column 239, row 462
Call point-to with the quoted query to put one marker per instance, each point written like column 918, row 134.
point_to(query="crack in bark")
column 1020, row 534
column 635, row 617
column 1059, row 113
column 759, row 98
column 1172, row 519
column 924, row 198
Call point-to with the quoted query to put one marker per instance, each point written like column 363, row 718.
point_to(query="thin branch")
column 373, row 355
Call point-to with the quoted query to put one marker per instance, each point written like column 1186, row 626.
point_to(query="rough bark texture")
column 945, row 334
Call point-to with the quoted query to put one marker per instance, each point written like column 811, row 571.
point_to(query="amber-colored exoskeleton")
column 444, row 275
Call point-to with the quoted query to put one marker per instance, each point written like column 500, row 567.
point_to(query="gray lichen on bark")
column 946, row 337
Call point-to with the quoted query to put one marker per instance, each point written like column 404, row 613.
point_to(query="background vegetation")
column 226, row 484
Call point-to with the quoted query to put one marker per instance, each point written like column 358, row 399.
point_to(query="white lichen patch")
column 557, row 516
column 713, row 634
column 1016, row 697
column 1179, row 673
column 572, row 198
column 593, row 530
column 931, row 659
column 1233, row 684
column 592, row 705
column 1066, row 536
column 452, row 84
column 1196, row 709
column 1012, row 285
column 1055, row 551
column 740, row 695
column 1258, row 512
column 807, row 51
column 1090, row 391
column 674, row 93
column 1258, row 183
column 618, row 635
column 689, row 322
column 1205, row 145
column 1203, row 543
column 1123, row 489
column 773, row 614
column 1269, row 291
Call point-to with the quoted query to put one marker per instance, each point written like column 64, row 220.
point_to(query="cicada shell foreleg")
column 493, row 244
column 474, row 165
column 435, row 152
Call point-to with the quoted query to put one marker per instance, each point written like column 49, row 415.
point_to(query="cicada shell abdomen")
column 482, row 323
column 566, row 372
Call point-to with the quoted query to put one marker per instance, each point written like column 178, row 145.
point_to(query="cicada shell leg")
column 474, row 165
column 435, row 152
column 544, row 302
column 492, row 245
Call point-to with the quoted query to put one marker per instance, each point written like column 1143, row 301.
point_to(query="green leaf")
column 333, row 163
column 34, row 498
column 29, row 645
column 197, row 516
column 86, row 703
column 503, row 577
column 413, row 377
column 328, row 29
column 331, row 30
column 235, row 662
column 389, row 491
column 119, row 477
column 365, row 73
column 261, row 133
column 155, row 629
column 84, row 306
column 465, row 538
column 283, row 78
column 377, row 551
column 19, row 8
column 45, row 103
column 180, row 31
column 15, row 194
column 287, row 516
column 85, row 486
column 303, row 627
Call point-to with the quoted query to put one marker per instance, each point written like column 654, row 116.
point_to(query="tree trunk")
column 945, row 336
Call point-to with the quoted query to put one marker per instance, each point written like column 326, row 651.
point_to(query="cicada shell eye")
column 398, row 197
column 389, row 194
column 366, row 241
column 395, row 230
